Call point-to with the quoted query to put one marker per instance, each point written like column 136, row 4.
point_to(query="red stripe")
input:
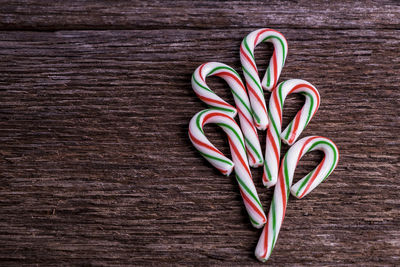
column 251, row 156
column 295, row 127
column 309, row 87
column 297, row 118
column 248, row 122
column 251, row 90
column 273, row 55
column 214, row 114
column 226, row 73
column 278, row 105
column 283, row 189
column 313, row 177
column 264, row 177
column 304, row 146
column 236, row 151
column 259, row 34
column 200, row 143
column 274, row 147
column 206, row 99
column 200, row 71
column 275, row 69
column 265, row 30
column 254, row 207
column 266, row 239
column 247, row 58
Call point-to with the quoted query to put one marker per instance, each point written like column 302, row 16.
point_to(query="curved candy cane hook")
column 222, row 163
column 242, row 102
column 295, row 127
column 254, row 86
column 277, row 210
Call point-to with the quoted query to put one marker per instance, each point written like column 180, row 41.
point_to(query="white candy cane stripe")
column 277, row 210
column 222, row 163
column 295, row 127
column 242, row 102
column 254, row 86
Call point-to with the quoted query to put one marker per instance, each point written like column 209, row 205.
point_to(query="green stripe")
column 241, row 101
column 280, row 93
column 331, row 169
column 233, row 130
column 254, row 80
column 247, row 47
column 273, row 223
column 308, row 116
column 283, row 60
column 311, row 108
column 273, row 123
column 286, row 174
column 253, row 148
column 205, row 88
column 215, row 158
column 248, row 190
column 247, row 107
column 282, row 44
column 222, row 67
column 268, row 171
column 289, row 130
column 198, row 119
column 305, row 182
column 253, row 221
column 334, row 155
column 223, row 109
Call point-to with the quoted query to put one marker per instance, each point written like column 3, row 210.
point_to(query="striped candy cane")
column 225, row 165
column 277, row 210
column 242, row 102
column 295, row 127
column 254, row 86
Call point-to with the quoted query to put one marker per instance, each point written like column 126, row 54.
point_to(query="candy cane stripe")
column 243, row 107
column 239, row 159
column 272, row 73
column 295, row 127
column 303, row 187
column 248, row 191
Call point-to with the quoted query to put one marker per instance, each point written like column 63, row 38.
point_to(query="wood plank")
column 96, row 165
column 102, row 15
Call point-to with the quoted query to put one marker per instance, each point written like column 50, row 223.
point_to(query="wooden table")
column 96, row 165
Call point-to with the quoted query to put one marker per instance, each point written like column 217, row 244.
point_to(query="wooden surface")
column 96, row 166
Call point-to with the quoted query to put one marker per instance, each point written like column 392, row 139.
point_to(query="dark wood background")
column 96, row 166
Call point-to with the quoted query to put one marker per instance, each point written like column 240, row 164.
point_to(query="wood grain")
column 96, row 165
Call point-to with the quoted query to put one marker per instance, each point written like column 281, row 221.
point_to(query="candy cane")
column 254, row 86
column 295, row 127
column 242, row 102
column 281, row 194
column 225, row 165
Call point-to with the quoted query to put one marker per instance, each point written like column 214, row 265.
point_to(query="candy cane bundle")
column 245, row 148
column 242, row 102
column 295, row 127
column 281, row 193
column 225, row 165
column 250, row 71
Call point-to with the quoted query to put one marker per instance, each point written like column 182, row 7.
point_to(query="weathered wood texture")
column 96, row 166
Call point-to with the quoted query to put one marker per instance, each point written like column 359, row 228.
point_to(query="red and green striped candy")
column 254, row 85
column 242, row 103
column 222, row 163
column 295, row 127
column 300, row 189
